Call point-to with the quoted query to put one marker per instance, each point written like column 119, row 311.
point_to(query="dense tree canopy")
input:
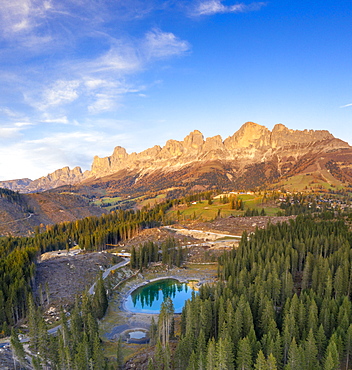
column 283, row 302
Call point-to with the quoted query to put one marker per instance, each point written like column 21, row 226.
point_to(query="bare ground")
column 67, row 276
column 158, row 235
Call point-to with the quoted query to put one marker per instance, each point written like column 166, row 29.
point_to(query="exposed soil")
column 6, row 359
column 158, row 235
column 32, row 210
column 67, row 276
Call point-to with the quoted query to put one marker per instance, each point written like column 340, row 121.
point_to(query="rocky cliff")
column 272, row 153
column 63, row 176
column 251, row 143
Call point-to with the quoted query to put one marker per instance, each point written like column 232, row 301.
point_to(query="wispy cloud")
column 103, row 103
column 62, row 64
column 23, row 124
column 99, row 84
column 63, row 120
column 10, row 112
column 62, row 92
column 159, row 44
column 9, row 132
column 347, row 105
column 211, row 7
column 59, row 150
column 13, row 130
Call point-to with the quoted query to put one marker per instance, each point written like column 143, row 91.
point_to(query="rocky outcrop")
column 63, row 176
column 16, row 185
column 281, row 136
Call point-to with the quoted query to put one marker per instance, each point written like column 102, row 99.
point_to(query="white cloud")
column 94, row 83
column 61, row 92
column 159, row 44
column 9, row 112
column 121, row 57
column 103, row 103
column 211, row 7
column 62, row 120
column 99, row 84
column 9, row 132
column 129, row 56
column 39, row 157
column 347, row 105
column 23, row 124
column 18, row 16
column 46, row 66
column 13, row 130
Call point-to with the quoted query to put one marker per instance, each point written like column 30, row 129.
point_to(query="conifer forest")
column 282, row 298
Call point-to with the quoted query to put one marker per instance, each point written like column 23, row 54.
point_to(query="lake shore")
column 118, row 319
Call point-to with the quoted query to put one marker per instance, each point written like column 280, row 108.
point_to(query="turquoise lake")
column 148, row 298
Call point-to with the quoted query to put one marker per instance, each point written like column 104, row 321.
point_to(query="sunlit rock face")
column 251, row 144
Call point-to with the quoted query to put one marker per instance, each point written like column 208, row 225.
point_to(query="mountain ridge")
column 251, row 145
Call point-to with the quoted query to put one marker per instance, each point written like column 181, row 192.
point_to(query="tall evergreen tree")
column 18, row 352
column 244, row 355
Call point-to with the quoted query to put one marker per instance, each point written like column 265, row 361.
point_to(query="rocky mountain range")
column 252, row 156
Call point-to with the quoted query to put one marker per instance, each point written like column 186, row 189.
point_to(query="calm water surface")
column 148, row 298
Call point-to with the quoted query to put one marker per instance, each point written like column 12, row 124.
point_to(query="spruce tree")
column 244, row 355
column 100, row 300
column 119, row 354
column 260, row 363
column 18, row 352
column 211, row 355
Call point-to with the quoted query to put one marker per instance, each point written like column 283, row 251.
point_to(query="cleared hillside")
column 21, row 213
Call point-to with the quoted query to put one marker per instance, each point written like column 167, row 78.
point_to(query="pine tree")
column 100, row 300
column 193, row 364
column 119, row 354
column 321, row 342
column 201, row 350
column 18, row 352
column 244, row 355
column 348, row 346
column 294, row 357
column 311, row 352
column 164, row 321
column 211, row 355
column 32, row 323
column 97, row 355
column 133, row 258
column 332, row 356
column 43, row 341
column 271, row 362
column 159, row 356
column 261, row 363
column 224, row 354
column 153, row 330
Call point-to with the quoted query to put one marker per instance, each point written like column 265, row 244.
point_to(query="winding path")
column 106, row 273
column 20, row 219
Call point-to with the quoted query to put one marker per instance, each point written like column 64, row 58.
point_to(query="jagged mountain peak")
column 251, row 144
column 249, row 135
column 283, row 136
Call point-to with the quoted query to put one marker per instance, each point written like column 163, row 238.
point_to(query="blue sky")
column 79, row 77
